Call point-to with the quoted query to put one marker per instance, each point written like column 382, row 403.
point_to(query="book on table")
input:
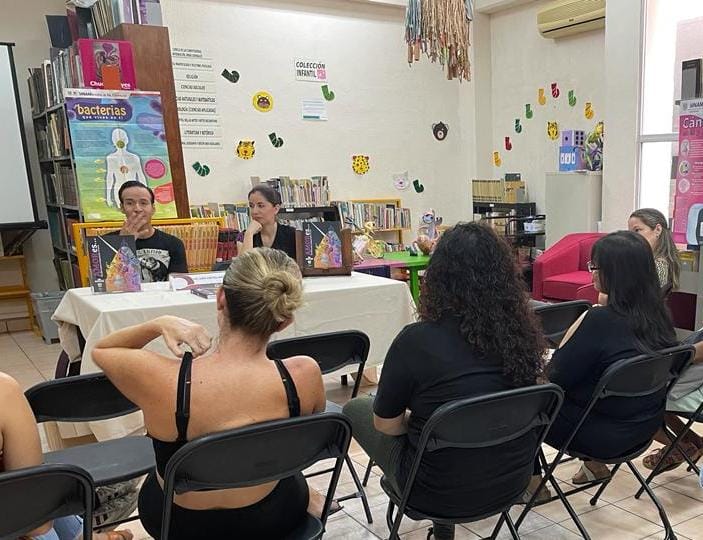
column 114, row 266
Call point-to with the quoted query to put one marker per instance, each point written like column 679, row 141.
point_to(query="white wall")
column 623, row 39
column 25, row 25
column 383, row 108
column 521, row 62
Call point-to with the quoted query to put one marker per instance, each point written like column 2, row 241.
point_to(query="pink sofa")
column 561, row 272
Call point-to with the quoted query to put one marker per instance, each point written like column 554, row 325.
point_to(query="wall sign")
column 196, row 97
column 310, row 70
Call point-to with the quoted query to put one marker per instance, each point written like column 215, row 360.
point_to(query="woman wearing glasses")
column 633, row 321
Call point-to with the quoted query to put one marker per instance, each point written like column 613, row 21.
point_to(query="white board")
column 16, row 200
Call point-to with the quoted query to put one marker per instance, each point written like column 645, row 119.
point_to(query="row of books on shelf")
column 53, row 139
column 60, row 186
column 80, row 66
column 226, row 244
column 68, row 273
column 104, row 15
column 236, row 216
column 386, row 216
column 300, row 192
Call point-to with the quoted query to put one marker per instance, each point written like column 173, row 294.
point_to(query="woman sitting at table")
column 653, row 227
column 234, row 385
column 20, row 447
column 634, row 321
column 476, row 335
column 264, row 229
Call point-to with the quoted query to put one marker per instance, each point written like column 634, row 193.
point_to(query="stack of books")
column 104, row 15
column 386, row 216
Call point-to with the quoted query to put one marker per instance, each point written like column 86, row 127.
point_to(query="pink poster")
column 688, row 202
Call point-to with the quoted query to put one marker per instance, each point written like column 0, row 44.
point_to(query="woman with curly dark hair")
column 476, row 335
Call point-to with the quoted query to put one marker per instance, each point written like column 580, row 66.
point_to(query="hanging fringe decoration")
column 440, row 29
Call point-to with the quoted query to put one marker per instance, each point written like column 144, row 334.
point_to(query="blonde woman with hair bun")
column 232, row 384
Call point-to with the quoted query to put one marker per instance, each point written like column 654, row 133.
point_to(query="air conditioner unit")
column 568, row 17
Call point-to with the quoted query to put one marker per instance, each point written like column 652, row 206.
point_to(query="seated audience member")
column 476, row 335
column 234, row 385
column 635, row 320
column 159, row 253
column 264, row 229
column 20, row 448
column 687, row 395
column 652, row 225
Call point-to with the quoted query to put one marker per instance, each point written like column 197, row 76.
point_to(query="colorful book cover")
column 118, row 136
column 322, row 245
column 114, row 266
column 96, row 53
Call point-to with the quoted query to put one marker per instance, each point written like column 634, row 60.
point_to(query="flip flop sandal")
column 673, row 460
column 586, row 476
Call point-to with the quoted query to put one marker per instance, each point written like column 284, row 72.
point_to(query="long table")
column 377, row 306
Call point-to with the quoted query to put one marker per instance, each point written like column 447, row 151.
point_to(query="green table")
column 414, row 263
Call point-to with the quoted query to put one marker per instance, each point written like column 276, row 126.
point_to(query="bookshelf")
column 153, row 69
column 151, row 50
column 59, row 185
column 388, row 214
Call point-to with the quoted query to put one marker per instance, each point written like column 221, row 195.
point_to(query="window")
column 673, row 33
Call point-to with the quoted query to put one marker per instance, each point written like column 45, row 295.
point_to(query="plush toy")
column 365, row 245
column 427, row 233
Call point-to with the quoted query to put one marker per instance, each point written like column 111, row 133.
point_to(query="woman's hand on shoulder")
column 178, row 332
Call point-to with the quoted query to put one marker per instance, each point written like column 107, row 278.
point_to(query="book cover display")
column 96, row 54
column 114, row 266
column 118, row 136
column 323, row 248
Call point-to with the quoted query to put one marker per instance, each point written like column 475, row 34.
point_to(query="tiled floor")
column 618, row 516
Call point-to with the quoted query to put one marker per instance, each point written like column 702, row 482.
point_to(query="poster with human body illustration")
column 118, row 136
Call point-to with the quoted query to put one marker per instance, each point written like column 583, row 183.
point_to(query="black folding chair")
column 487, row 421
column 33, row 496
column 630, row 378
column 332, row 351
column 692, row 418
column 87, row 398
column 556, row 319
column 264, row 452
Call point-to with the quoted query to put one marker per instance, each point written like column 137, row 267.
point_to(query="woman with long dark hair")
column 476, row 335
column 634, row 321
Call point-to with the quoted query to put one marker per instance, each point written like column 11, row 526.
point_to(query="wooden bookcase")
column 151, row 49
column 398, row 231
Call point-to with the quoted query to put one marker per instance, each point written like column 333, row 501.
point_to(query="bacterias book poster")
column 118, row 136
column 114, row 266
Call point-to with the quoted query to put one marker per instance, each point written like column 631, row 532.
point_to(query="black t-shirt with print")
column 160, row 255
column 430, row 364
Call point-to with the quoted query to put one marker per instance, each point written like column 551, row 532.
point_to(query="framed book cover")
column 118, row 136
column 114, row 266
column 324, row 249
column 98, row 53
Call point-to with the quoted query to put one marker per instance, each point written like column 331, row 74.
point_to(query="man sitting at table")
column 159, row 253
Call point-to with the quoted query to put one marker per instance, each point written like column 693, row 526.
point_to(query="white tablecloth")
column 377, row 306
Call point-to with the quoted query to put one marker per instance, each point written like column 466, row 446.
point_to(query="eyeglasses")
column 591, row 267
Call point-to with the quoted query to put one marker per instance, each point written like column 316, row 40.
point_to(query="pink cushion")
column 565, row 286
